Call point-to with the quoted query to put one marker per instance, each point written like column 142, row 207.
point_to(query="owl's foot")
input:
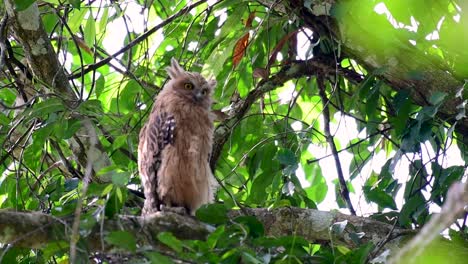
column 148, row 211
column 177, row 210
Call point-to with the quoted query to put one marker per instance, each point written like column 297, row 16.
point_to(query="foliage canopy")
column 313, row 95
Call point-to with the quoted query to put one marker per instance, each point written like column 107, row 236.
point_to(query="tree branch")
column 35, row 230
column 294, row 70
column 454, row 205
column 38, row 50
column 326, row 119
column 137, row 40
column 44, row 64
column 393, row 58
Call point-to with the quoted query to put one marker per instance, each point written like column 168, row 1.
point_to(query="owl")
column 175, row 144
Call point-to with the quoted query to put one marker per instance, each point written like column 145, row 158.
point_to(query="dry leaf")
column 248, row 24
column 241, row 45
column 279, row 46
column 239, row 49
column 83, row 45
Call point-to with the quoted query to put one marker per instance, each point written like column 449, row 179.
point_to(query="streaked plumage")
column 175, row 144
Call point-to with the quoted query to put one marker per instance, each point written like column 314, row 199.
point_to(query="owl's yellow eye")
column 204, row 91
column 188, row 86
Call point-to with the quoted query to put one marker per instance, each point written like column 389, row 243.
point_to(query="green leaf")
column 359, row 256
column 21, row 5
column 4, row 120
column 48, row 106
column 217, row 60
column 103, row 23
column 51, row 249
column 402, row 104
column 410, row 207
column 127, row 98
column 100, row 85
column 91, row 107
column 71, row 184
column 75, row 3
column 115, row 202
column 232, row 22
column 65, row 129
column 380, row 197
column 213, row 237
column 98, row 189
column 156, row 257
column 122, row 239
column 248, row 258
column 55, row 2
column 256, row 228
column 444, row 178
column 90, row 31
column 119, row 141
column 212, row 214
column 121, row 178
column 73, row 126
column 372, row 102
column 262, row 158
column 437, row 98
column 286, row 157
column 318, row 188
column 171, row 241
column 258, row 192
column 76, row 19
column 7, row 96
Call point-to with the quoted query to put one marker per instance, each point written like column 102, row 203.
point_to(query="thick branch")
column 35, row 230
column 383, row 50
column 38, row 50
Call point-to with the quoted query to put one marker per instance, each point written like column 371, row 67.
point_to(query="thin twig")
column 294, row 70
column 16, row 144
column 326, row 116
column 3, row 48
column 64, row 160
column 352, row 145
column 93, row 141
column 382, row 242
column 137, row 40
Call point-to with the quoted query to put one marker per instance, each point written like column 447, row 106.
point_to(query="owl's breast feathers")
column 184, row 176
column 173, row 150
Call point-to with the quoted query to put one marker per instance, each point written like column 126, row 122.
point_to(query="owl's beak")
column 198, row 96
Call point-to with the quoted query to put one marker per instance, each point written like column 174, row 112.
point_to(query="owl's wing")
column 157, row 133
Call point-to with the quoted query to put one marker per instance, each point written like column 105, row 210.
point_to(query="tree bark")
column 43, row 63
column 35, row 230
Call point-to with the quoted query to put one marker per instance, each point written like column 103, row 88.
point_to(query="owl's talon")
column 176, row 210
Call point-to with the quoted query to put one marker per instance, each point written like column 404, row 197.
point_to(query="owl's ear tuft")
column 212, row 83
column 174, row 70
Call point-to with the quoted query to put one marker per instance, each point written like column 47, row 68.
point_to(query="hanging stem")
column 326, row 116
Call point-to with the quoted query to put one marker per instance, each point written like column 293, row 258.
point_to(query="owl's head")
column 190, row 85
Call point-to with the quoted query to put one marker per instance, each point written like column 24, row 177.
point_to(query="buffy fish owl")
column 175, row 144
